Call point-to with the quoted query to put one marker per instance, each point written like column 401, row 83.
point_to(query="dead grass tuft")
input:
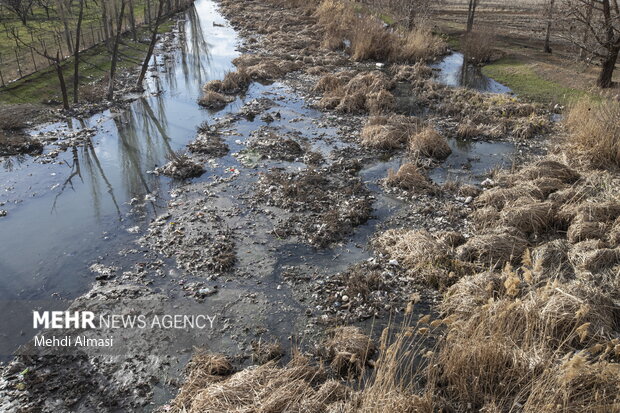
column 380, row 102
column 428, row 142
column 394, row 132
column 418, row 45
column 410, row 178
column 594, row 132
column 214, row 100
column 348, row 350
column 529, row 217
column 493, row 249
column 233, row 83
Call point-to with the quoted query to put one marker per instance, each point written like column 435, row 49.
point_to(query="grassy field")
column 518, row 34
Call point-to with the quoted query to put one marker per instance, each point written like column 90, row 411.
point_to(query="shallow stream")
column 81, row 208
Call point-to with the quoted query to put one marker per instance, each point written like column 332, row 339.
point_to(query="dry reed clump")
column 550, row 169
column 593, row 256
column 233, row 83
column 203, row 370
column 552, row 261
column 364, row 36
column 577, row 384
column 507, row 334
column 260, row 68
column 494, row 249
column 582, row 230
column 267, row 388
column 180, row 166
column 214, row 100
column 528, row 127
column 594, row 132
column 528, row 217
column 410, row 178
column 364, row 92
column 369, row 40
column 467, row 130
column 394, row 132
column 498, row 197
column 380, row 102
column 411, row 73
column 418, row 45
column 348, row 350
column 328, row 83
column 422, row 255
column 428, row 142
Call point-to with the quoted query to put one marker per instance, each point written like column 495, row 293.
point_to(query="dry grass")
column 494, row 249
column 233, row 83
column 394, row 132
column 508, row 342
column 364, row 92
column 368, row 39
column 428, row 142
column 422, row 255
column 477, row 46
column 348, row 350
column 529, row 217
column 214, row 100
column 594, row 132
column 410, row 178
column 380, row 102
column 419, row 45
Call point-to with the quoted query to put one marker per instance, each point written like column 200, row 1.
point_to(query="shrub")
column 477, row 46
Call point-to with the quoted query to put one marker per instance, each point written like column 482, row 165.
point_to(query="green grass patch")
column 522, row 79
column 387, row 19
column 43, row 86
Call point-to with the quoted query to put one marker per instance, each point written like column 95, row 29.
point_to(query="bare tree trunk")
column 76, row 54
column 104, row 19
column 119, row 31
column 471, row 14
column 149, row 53
column 61, row 80
column 62, row 13
column 147, row 12
column 609, row 64
column 547, row 48
column 132, row 21
column 586, row 32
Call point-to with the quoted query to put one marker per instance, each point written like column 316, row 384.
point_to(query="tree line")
column 54, row 31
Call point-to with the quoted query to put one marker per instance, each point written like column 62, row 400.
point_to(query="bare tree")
column 471, row 14
column 117, row 41
column 601, row 21
column 149, row 53
column 54, row 60
column 413, row 11
column 76, row 53
column 20, row 8
column 547, row 47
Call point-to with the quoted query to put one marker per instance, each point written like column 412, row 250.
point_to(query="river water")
column 80, row 209
column 65, row 215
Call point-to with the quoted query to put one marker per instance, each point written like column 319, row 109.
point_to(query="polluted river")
column 98, row 218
